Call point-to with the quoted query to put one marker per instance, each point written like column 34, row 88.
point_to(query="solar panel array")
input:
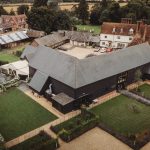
column 13, row 37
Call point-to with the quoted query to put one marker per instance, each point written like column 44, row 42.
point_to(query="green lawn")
column 118, row 115
column 89, row 27
column 8, row 57
column 19, row 114
column 145, row 89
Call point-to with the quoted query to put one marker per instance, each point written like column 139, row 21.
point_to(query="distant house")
column 12, row 23
column 121, row 35
column 72, row 80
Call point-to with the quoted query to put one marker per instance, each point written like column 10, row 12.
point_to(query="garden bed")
column 76, row 126
column 126, row 119
column 42, row 141
column 143, row 90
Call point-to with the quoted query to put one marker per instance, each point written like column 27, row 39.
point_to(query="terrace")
column 79, row 52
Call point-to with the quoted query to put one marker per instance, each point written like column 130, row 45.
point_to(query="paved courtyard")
column 95, row 139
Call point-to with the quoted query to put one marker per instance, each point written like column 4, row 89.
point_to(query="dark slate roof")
column 35, row 33
column 28, row 52
column 38, row 81
column 62, row 99
column 79, row 36
column 51, row 39
column 80, row 72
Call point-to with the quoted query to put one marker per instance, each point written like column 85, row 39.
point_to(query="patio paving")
column 95, row 139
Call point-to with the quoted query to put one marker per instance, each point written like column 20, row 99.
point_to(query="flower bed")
column 42, row 141
column 76, row 126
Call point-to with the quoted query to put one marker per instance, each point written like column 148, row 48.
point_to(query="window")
column 131, row 31
column 114, row 30
column 118, row 37
column 103, row 43
column 121, row 45
column 105, row 37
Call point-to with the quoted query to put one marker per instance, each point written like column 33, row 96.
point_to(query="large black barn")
column 73, row 81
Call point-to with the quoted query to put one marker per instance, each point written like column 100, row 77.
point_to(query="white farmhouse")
column 116, row 35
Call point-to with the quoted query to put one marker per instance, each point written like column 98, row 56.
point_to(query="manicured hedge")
column 41, row 141
column 3, row 62
column 76, row 126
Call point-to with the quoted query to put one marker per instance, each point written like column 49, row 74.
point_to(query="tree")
column 104, row 16
column 94, row 18
column 104, row 3
column 115, row 13
column 95, row 14
column 23, row 9
column 3, row 11
column 61, row 21
column 48, row 20
column 41, row 19
column 12, row 12
column 82, row 11
column 39, row 3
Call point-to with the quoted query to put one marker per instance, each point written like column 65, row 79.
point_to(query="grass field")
column 118, row 115
column 88, row 28
column 8, row 57
column 19, row 114
column 145, row 89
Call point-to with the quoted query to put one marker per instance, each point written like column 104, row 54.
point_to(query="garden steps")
column 136, row 97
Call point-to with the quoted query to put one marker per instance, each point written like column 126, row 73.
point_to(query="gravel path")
column 95, row 139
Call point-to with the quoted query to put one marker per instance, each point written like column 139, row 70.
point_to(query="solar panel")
column 1, row 41
column 6, row 38
column 21, row 35
column 14, row 37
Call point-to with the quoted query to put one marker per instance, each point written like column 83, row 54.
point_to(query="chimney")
column 145, row 33
column 139, row 25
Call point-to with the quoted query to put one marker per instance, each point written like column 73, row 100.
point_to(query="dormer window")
column 114, row 30
column 131, row 31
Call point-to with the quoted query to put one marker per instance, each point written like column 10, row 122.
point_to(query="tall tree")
column 23, row 9
column 105, row 16
column 61, row 21
column 115, row 13
column 41, row 19
column 39, row 3
column 3, row 11
column 82, row 11
column 104, row 3
column 12, row 12
column 48, row 20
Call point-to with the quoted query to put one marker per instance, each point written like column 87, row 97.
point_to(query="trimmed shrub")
column 71, row 129
column 18, row 53
column 3, row 62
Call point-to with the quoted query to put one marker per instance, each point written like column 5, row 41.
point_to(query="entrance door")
column 121, row 81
